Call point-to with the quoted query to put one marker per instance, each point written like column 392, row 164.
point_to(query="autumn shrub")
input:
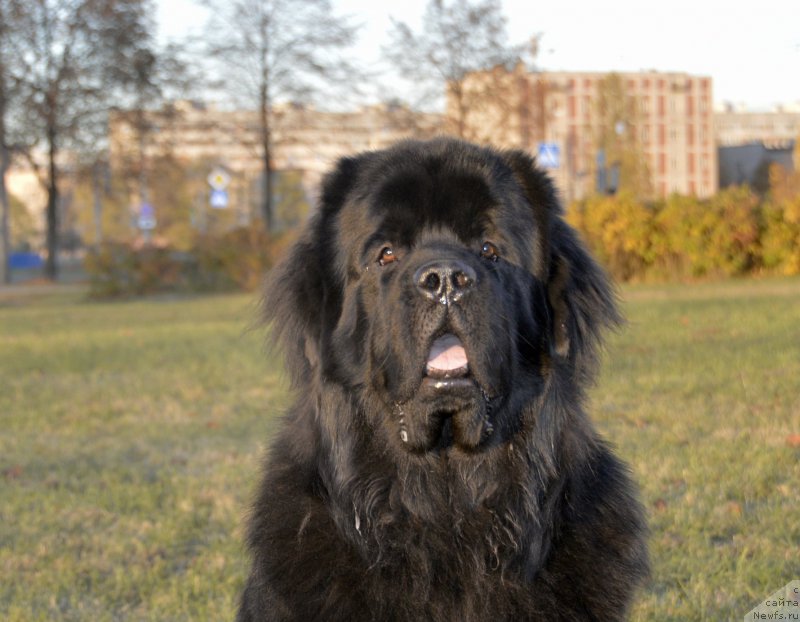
column 733, row 239
column 780, row 240
column 120, row 270
column 109, row 268
column 713, row 237
column 675, row 251
column 684, row 237
column 235, row 260
column 617, row 230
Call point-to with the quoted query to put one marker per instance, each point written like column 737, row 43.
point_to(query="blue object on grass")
column 24, row 261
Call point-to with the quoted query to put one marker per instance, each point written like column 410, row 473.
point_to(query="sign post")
column 146, row 220
column 219, row 180
column 218, row 199
column 147, row 217
column 549, row 155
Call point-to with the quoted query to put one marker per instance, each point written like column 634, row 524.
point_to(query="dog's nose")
column 445, row 281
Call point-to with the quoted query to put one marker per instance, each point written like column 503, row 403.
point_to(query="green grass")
column 699, row 393
column 131, row 440
column 132, row 435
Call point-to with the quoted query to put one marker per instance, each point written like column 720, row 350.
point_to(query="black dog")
column 441, row 322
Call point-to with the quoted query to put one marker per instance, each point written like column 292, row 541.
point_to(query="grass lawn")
column 132, row 435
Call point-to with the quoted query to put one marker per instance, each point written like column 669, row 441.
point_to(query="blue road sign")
column 549, row 155
column 147, row 217
column 218, row 199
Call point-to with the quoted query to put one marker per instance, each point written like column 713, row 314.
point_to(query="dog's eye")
column 387, row 256
column 489, row 251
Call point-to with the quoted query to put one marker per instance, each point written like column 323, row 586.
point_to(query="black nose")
column 445, row 281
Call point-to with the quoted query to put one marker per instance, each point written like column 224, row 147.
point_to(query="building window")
column 645, row 133
column 690, row 135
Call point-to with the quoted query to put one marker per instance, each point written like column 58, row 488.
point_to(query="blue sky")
column 750, row 49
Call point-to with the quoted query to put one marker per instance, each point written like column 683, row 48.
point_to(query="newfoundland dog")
column 441, row 323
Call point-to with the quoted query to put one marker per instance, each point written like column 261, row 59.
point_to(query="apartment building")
column 671, row 120
column 774, row 128
column 303, row 138
column 750, row 143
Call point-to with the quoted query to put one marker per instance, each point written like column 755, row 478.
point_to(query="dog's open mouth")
column 447, row 366
column 447, row 358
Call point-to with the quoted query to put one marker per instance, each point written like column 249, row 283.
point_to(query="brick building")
column 304, row 139
column 671, row 121
column 774, row 128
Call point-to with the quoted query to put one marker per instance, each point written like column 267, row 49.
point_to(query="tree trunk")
column 5, row 207
column 51, row 263
column 141, row 131
column 97, row 195
column 266, row 151
column 459, row 122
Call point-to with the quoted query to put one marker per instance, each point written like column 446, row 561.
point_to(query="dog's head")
column 439, row 284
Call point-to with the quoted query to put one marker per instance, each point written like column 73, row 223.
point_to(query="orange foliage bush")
column 235, row 260
column 732, row 233
column 781, row 236
column 618, row 232
column 118, row 270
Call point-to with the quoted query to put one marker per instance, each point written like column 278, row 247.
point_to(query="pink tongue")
column 447, row 353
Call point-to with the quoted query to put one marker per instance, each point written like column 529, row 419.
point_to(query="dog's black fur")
column 393, row 496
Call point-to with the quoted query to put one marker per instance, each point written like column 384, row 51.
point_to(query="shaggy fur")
column 390, row 497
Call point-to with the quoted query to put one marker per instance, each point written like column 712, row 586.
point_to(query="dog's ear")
column 302, row 290
column 581, row 299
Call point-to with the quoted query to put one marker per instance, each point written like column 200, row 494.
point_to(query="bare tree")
column 69, row 55
column 457, row 41
column 7, row 9
column 278, row 49
column 148, row 78
column 5, row 207
column 618, row 140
